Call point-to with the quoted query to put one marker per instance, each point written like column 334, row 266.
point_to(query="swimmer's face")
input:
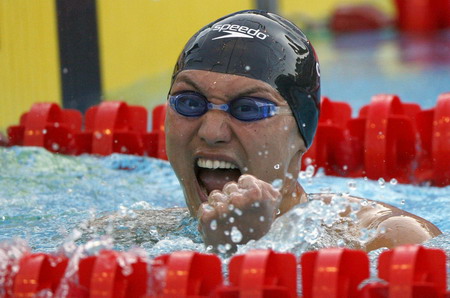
column 269, row 149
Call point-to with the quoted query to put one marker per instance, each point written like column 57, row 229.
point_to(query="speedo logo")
column 238, row 31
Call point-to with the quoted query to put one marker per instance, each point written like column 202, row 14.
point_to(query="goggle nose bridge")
column 221, row 107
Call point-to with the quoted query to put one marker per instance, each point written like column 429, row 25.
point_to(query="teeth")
column 215, row 164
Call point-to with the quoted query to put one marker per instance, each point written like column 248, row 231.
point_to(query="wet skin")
column 262, row 152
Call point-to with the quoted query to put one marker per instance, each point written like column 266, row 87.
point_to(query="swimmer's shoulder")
column 393, row 226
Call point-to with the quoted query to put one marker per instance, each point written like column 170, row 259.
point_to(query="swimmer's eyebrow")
column 188, row 81
column 245, row 92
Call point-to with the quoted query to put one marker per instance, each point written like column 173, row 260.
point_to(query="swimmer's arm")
column 393, row 226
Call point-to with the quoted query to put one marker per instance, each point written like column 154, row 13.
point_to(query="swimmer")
column 243, row 109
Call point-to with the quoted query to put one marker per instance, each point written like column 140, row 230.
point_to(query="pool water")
column 50, row 200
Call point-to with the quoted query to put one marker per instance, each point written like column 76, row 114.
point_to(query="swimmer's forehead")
column 230, row 85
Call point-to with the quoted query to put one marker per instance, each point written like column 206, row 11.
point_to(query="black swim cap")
column 266, row 47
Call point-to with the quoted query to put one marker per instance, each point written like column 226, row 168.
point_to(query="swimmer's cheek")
column 399, row 230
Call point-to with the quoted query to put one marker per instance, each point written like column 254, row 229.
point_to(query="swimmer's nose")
column 214, row 128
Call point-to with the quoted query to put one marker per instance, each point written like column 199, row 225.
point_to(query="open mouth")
column 214, row 174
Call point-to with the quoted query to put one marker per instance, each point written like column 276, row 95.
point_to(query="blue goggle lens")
column 191, row 104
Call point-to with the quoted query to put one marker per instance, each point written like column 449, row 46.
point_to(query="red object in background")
column 155, row 141
column 422, row 16
column 113, row 127
column 434, row 130
column 47, row 125
column 410, row 271
column 38, row 272
column 354, row 18
column 261, row 273
column 386, row 128
column 3, row 140
column 185, row 274
column 333, row 272
column 332, row 148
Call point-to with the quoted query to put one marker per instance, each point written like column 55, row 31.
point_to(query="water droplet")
column 247, row 68
column 245, row 169
column 238, row 211
column 236, row 235
column 44, row 131
column 310, row 171
column 55, row 146
column 286, row 127
column 123, row 149
column 256, row 204
column 213, row 224
column 289, row 176
column 231, row 219
column 266, row 152
column 259, row 153
column 345, row 167
column 222, row 248
column 402, row 202
column 98, row 135
column 365, row 178
column 231, row 207
column 352, row 185
column 308, row 161
column 277, row 166
column 251, row 230
column 65, row 70
column 277, row 184
column 278, row 212
column 227, row 233
column 304, row 124
column 302, row 175
column 381, row 182
column 262, row 218
column 393, row 181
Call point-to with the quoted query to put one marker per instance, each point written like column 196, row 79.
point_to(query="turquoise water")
column 48, row 199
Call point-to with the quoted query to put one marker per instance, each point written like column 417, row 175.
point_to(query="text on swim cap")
column 238, row 31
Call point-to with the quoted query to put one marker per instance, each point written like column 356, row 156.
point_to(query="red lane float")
column 185, row 274
column 333, row 272
column 434, row 130
column 404, row 272
column 38, row 272
column 422, row 16
column 410, row 271
column 388, row 139
column 115, row 127
column 111, row 127
column 47, row 125
column 261, row 273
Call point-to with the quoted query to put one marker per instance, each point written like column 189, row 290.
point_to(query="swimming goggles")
column 247, row 108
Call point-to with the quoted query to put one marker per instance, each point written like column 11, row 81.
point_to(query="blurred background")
column 79, row 52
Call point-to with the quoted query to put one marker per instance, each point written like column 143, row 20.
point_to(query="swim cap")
column 266, row 47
